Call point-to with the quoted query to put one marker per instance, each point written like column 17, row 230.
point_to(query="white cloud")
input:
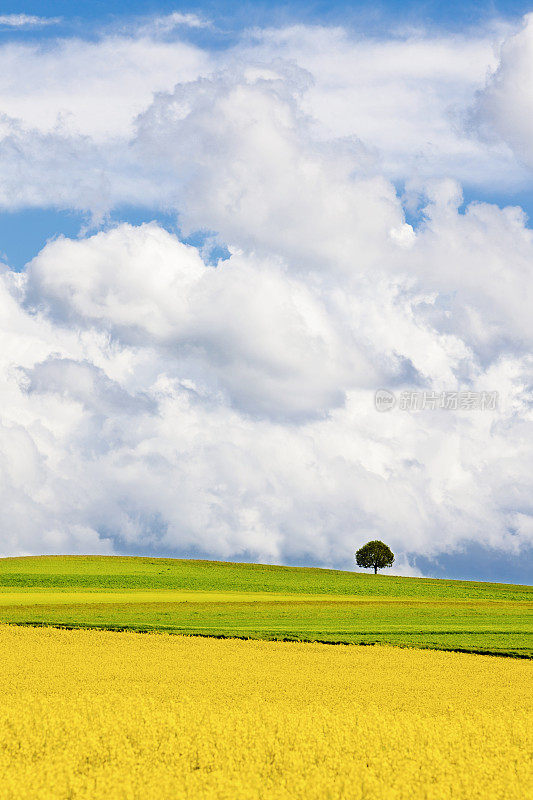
column 244, row 153
column 169, row 22
column 150, row 401
column 70, row 112
column 92, row 89
column 27, row 21
column 156, row 402
column 505, row 107
column 263, row 359
column 402, row 98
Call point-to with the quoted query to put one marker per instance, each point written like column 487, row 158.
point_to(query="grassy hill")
column 269, row 602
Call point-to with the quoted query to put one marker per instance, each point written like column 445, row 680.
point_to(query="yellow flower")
column 97, row 715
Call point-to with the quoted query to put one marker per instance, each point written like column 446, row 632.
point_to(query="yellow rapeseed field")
column 103, row 715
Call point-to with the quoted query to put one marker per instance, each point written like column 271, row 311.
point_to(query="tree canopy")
column 374, row 554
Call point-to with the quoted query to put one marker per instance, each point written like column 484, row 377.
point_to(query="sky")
column 266, row 281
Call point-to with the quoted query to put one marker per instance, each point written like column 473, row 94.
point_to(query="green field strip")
column 64, row 597
column 266, row 602
column 461, row 646
column 112, row 573
column 40, row 596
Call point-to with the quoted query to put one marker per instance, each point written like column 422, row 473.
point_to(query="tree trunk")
column 375, row 570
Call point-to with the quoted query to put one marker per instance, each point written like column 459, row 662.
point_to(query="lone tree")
column 374, row 554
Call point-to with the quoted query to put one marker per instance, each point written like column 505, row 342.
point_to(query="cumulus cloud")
column 401, row 96
column 153, row 403
column 398, row 101
column 92, row 88
column 504, row 109
column 263, row 358
column 481, row 270
column 175, row 407
column 243, row 151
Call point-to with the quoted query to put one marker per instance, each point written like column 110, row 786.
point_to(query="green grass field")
column 268, row 602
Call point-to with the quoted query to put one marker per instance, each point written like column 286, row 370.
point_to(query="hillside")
column 126, row 572
column 269, row 602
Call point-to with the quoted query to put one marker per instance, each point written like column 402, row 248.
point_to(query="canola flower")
column 121, row 716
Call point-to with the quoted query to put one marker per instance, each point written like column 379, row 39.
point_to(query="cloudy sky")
column 223, row 228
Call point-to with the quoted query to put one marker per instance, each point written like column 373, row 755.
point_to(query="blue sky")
column 224, row 227
column 236, row 15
